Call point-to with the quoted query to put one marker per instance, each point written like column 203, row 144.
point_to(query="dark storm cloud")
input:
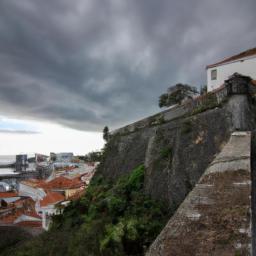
column 86, row 64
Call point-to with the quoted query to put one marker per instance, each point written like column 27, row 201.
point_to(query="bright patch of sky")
column 43, row 137
column 16, row 125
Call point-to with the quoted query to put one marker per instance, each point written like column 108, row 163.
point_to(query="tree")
column 106, row 133
column 163, row 100
column 94, row 156
column 176, row 94
column 203, row 90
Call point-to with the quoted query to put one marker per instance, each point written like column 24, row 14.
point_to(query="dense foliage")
column 110, row 219
column 176, row 94
column 11, row 236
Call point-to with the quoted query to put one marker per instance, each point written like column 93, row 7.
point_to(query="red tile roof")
column 244, row 54
column 51, row 198
column 63, row 183
column 32, row 224
column 33, row 182
column 10, row 218
column 29, row 210
column 8, row 194
column 60, row 182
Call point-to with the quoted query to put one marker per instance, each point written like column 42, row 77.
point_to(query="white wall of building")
column 244, row 66
column 46, row 212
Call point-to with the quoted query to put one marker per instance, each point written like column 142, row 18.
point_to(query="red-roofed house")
column 68, row 187
column 25, row 215
column 47, row 207
column 51, row 198
column 7, row 198
column 28, row 217
column 243, row 63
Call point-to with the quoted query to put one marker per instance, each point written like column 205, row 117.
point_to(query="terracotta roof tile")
column 60, row 182
column 51, row 198
column 63, row 183
column 33, row 182
column 17, row 212
column 32, row 224
column 10, row 218
column 8, row 194
column 244, row 54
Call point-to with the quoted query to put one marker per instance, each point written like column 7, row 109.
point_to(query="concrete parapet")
column 215, row 218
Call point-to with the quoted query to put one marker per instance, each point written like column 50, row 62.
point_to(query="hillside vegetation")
column 110, row 219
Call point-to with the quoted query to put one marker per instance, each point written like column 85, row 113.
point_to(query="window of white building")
column 214, row 74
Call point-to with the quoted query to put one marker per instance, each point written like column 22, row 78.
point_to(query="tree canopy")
column 176, row 94
column 106, row 133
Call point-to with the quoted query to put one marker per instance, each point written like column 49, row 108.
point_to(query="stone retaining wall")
column 215, row 218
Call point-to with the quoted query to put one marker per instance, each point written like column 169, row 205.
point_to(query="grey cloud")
column 86, row 64
column 24, row 132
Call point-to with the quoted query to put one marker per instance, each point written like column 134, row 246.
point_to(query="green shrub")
column 209, row 102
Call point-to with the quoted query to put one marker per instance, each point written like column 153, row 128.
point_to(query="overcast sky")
column 84, row 64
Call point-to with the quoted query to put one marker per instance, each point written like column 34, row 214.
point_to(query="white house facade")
column 46, row 212
column 243, row 63
column 47, row 207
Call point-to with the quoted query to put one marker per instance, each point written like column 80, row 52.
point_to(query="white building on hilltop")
column 243, row 63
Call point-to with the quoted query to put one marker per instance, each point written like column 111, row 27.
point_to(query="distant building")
column 65, row 186
column 4, row 187
column 41, row 158
column 47, row 207
column 21, row 160
column 52, row 157
column 243, row 63
column 64, row 157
